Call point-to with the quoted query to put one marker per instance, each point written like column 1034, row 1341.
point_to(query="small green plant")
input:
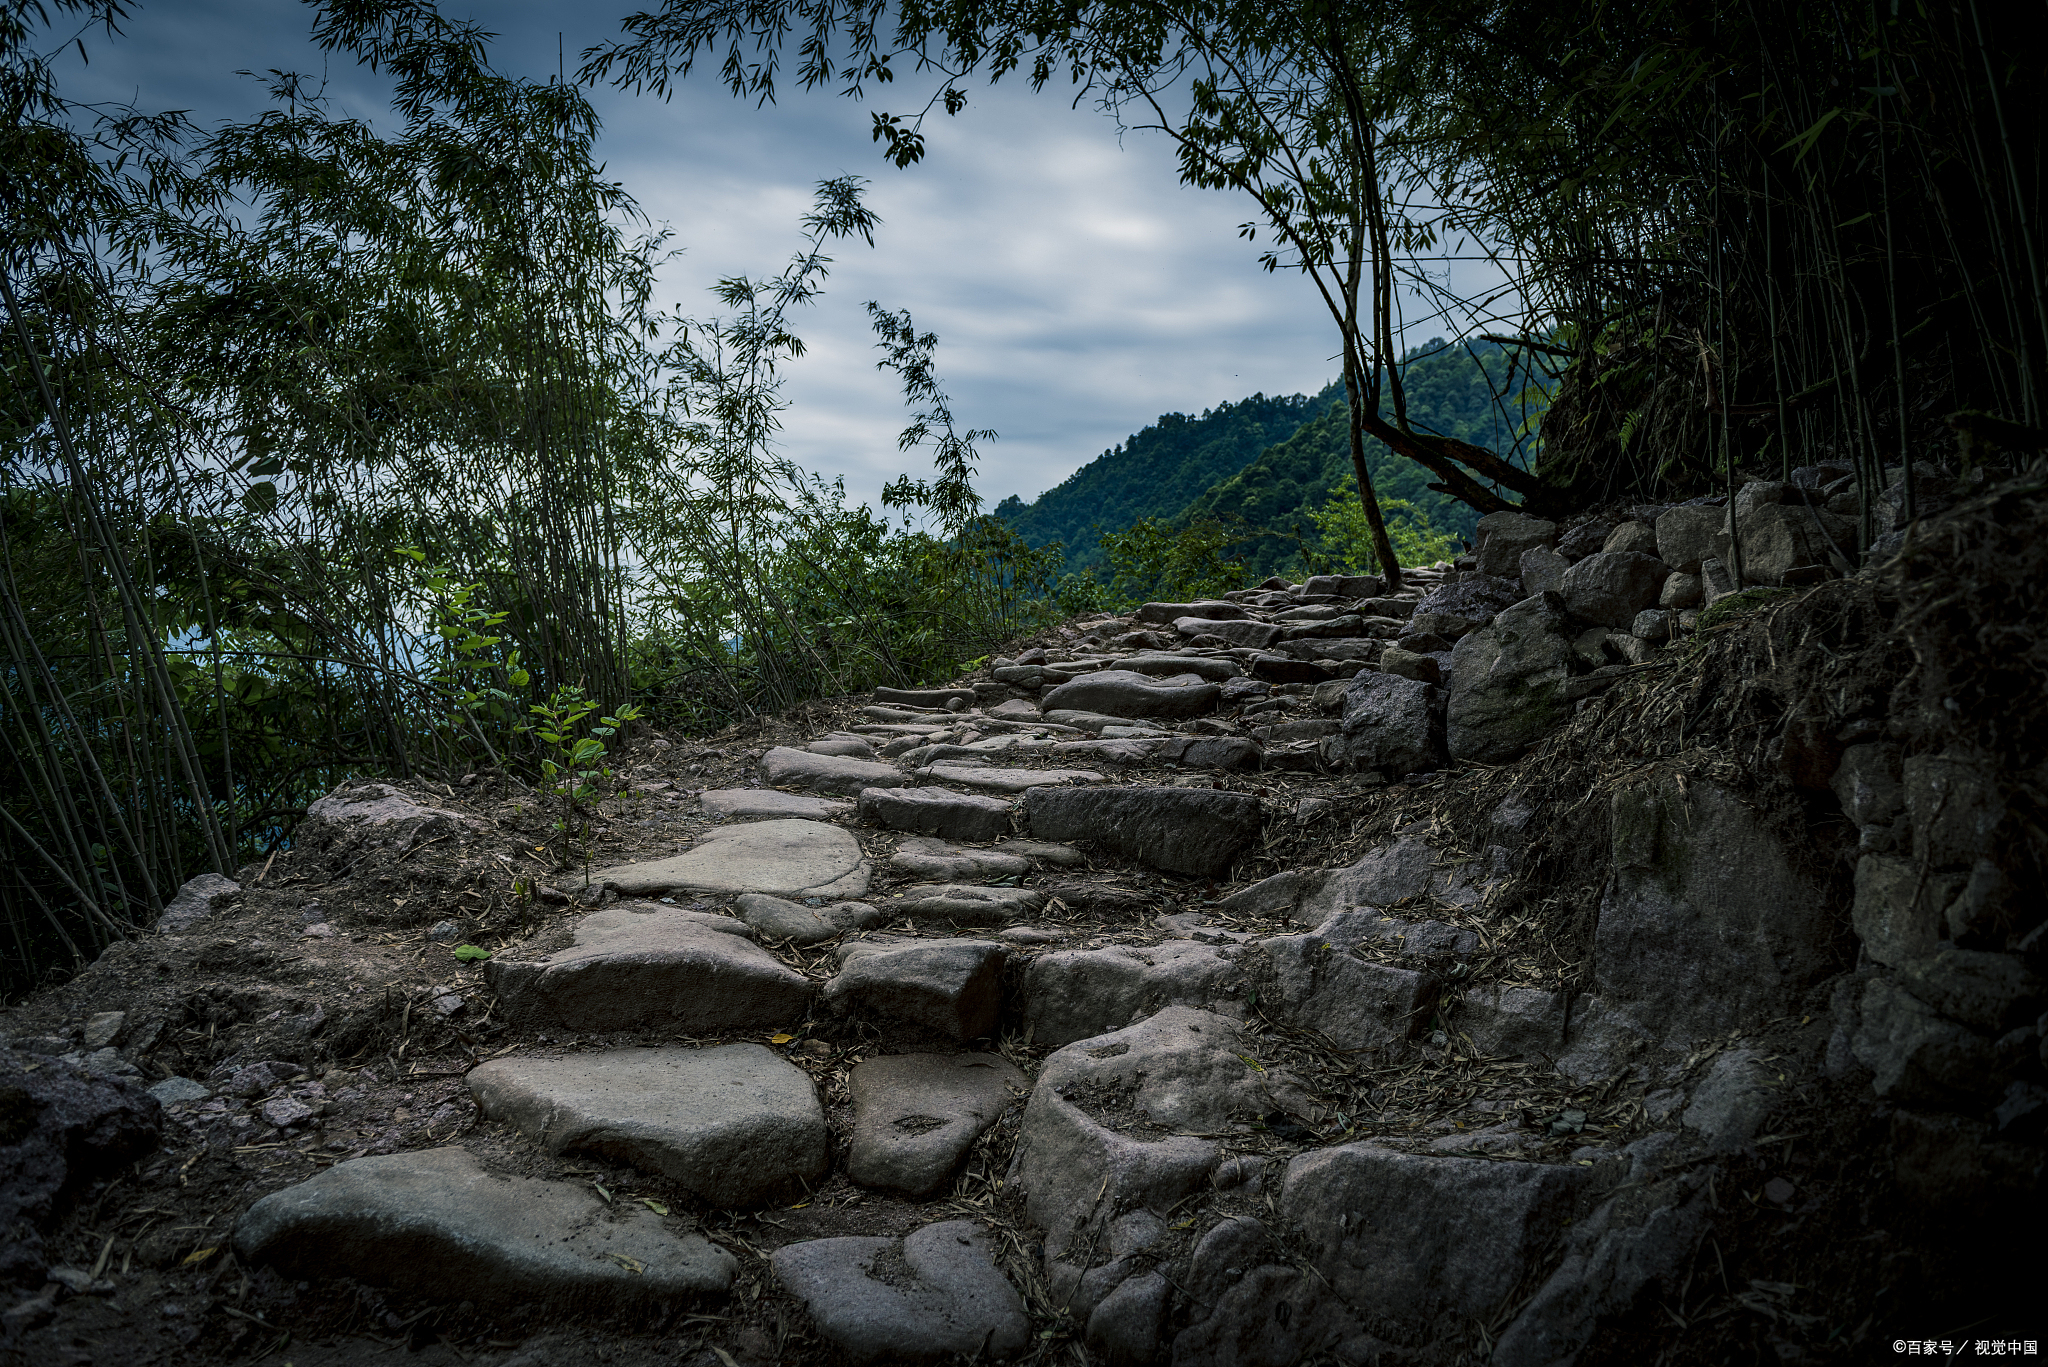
column 572, row 765
column 467, row 632
column 471, row 954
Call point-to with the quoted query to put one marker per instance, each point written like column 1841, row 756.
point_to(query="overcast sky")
column 1077, row 289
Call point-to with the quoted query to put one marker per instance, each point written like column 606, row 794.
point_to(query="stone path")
column 1129, row 1139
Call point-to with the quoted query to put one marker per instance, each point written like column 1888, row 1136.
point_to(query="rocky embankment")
column 1565, row 958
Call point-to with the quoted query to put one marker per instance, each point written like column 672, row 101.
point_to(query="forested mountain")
column 1158, row 472
column 1264, row 462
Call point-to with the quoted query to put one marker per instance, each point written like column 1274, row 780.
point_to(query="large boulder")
column 1181, row 830
column 1392, row 726
column 195, row 900
column 1116, row 1134
column 1421, row 1242
column 1508, row 682
column 1686, row 536
column 61, row 1129
column 1451, row 609
column 1609, row 588
column 1129, row 693
column 1503, row 538
column 1710, row 921
column 372, row 816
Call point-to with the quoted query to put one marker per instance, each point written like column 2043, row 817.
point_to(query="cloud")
column 1078, row 289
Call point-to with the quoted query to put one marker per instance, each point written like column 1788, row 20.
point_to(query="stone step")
column 642, row 966
column 1181, row 830
column 951, row 986
column 937, row 812
column 926, row 697
column 933, row 1296
column 1097, row 722
column 1125, row 693
column 1007, row 780
column 846, row 747
column 1077, row 993
column 784, row 767
column 964, row 905
column 784, row 857
column 916, row 1115
column 777, row 918
column 929, row 857
column 435, row 1223
column 767, row 802
column 937, row 751
column 735, row 1124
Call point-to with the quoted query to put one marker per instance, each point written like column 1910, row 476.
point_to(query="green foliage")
column 240, row 366
column 1156, row 562
column 1451, row 389
column 1156, row 472
column 471, row 954
column 571, row 764
column 1344, row 537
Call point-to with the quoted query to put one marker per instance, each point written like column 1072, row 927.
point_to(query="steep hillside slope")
column 1265, row 462
column 1447, row 393
column 1157, row 472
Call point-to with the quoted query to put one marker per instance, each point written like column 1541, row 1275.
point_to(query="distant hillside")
column 1267, row 461
column 1447, row 393
column 1157, row 472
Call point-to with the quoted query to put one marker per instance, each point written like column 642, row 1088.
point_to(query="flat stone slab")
column 915, row 1116
column 937, row 811
column 924, row 856
column 1214, row 669
column 777, row 918
column 737, row 1124
column 435, row 1224
column 1007, row 780
column 767, row 802
column 965, row 905
column 1097, row 722
column 783, row 766
column 785, row 858
column 952, row 986
column 931, row 1297
column 630, row 969
column 1126, row 751
column 1128, row 693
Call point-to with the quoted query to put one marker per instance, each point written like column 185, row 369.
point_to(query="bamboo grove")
column 332, row 452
